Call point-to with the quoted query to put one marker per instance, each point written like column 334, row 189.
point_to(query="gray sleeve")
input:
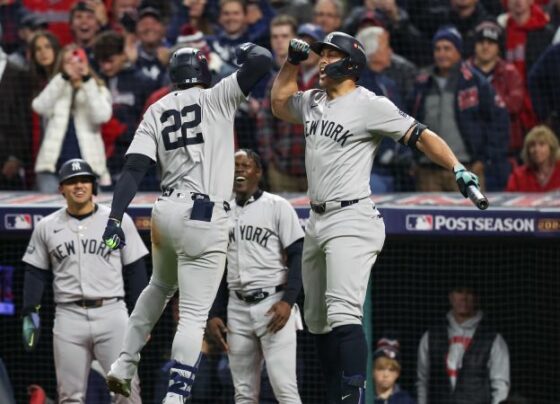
column 296, row 104
column 385, row 118
column 134, row 248
column 289, row 228
column 499, row 369
column 225, row 97
column 144, row 141
column 36, row 253
column 423, row 370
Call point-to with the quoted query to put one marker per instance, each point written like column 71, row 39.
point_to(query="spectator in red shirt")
column 541, row 171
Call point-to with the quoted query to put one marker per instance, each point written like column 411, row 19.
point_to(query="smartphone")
column 80, row 54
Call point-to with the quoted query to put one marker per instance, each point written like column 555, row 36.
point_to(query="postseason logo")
column 419, row 222
column 18, row 221
column 469, row 224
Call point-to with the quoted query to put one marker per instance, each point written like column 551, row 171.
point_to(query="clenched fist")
column 298, row 51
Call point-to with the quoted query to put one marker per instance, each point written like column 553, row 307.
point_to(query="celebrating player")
column 263, row 290
column 87, row 283
column 344, row 123
column 189, row 132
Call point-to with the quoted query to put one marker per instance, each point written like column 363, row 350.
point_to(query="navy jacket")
column 481, row 116
column 544, row 95
column 398, row 397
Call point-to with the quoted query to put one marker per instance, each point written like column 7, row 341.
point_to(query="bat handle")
column 477, row 197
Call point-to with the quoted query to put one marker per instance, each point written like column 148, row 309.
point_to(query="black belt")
column 93, row 303
column 322, row 207
column 194, row 196
column 257, row 295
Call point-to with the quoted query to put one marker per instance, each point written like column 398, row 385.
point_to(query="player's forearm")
column 284, row 86
column 435, row 148
column 134, row 170
column 294, row 282
column 34, row 284
column 136, row 279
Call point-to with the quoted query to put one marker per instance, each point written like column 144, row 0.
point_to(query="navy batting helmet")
column 349, row 66
column 77, row 168
column 189, row 66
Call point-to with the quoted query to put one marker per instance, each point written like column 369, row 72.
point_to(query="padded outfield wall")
column 511, row 252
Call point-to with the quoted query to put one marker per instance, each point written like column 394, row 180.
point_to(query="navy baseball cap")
column 311, row 30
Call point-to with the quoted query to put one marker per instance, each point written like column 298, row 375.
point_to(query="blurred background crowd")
column 76, row 76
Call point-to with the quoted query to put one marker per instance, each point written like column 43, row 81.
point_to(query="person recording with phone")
column 72, row 106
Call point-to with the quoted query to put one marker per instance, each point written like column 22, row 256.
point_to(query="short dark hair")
column 107, row 44
column 284, row 19
column 253, row 156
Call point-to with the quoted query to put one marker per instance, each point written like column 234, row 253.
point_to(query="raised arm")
column 255, row 61
column 285, row 84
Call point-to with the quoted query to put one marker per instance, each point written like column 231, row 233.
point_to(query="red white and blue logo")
column 419, row 222
column 18, row 221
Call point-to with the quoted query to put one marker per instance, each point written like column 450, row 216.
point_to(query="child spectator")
column 386, row 371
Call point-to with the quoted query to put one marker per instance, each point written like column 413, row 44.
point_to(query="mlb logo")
column 419, row 222
column 18, row 221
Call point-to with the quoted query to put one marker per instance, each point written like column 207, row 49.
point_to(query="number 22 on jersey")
column 184, row 121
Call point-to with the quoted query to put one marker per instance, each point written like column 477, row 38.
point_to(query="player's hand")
column 242, row 51
column 31, row 329
column 217, row 330
column 465, row 178
column 298, row 50
column 113, row 236
column 280, row 312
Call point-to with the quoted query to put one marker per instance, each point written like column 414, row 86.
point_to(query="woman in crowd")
column 43, row 51
column 541, row 171
column 73, row 105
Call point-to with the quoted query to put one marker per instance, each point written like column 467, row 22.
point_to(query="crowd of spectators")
column 76, row 76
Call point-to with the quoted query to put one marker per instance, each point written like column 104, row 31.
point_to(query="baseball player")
column 344, row 124
column 261, row 315
column 189, row 132
column 90, row 315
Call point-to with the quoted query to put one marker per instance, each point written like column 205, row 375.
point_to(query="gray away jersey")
column 259, row 233
column 341, row 137
column 83, row 266
column 190, row 134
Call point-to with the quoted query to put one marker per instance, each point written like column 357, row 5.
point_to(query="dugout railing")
column 510, row 252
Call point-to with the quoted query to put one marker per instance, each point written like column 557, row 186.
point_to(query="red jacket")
column 508, row 85
column 524, row 179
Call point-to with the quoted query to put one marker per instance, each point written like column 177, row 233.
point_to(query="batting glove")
column 242, row 51
column 465, row 178
column 31, row 329
column 113, row 236
column 298, row 51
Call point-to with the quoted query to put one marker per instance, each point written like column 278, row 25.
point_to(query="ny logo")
column 76, row 166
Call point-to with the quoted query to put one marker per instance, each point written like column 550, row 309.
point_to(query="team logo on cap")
column 76, row 166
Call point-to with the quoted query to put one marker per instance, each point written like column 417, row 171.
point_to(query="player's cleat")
column 118, row 386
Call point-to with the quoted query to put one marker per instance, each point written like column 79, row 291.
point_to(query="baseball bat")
column 477, row 197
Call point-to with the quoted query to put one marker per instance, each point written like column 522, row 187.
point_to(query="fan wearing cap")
column 343, row 126
column 462, row 359
column 458, row 102
column 508, row 85
column 387, row 369
column 152, row 53
column 28, row 26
